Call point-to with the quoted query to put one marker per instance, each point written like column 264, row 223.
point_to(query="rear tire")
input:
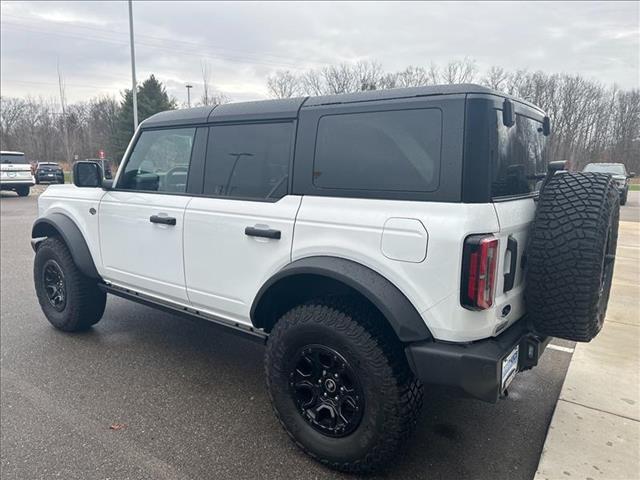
column 352, row 337
column 571, row 255
column 23, row 191
column 70, row 300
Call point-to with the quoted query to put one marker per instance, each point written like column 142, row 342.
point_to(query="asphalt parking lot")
column 192, row 400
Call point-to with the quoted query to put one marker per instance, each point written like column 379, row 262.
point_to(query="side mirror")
column 87, row 174
column 508, row 115
column 546, row 126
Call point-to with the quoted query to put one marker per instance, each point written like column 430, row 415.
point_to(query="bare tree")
column 341, row 78
column 496, row 78
column 283, row 84
column 11, row 111
column 459, row 71
column 312, row 83
column 413, row 77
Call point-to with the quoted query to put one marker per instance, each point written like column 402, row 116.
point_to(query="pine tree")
column 152, row 98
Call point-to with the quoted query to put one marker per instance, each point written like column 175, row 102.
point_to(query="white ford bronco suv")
column 376, row 242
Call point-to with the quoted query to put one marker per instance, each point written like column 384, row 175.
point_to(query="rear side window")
column 248, row 161
column 159, row 161
column 383, row 151
column 519, row 162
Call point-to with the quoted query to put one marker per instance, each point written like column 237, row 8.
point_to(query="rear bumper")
column 44, row 177
column 476, row 368
column 10, row 184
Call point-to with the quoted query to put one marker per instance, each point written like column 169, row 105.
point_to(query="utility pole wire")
column 134, row 89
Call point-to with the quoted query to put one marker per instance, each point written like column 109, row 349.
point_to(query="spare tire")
column 570, row 256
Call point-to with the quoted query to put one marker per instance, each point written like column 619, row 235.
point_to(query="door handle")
column 262, row 232
column 162, row 220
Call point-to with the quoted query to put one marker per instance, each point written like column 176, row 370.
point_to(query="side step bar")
column 186, row 312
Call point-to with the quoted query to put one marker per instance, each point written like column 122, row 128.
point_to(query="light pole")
column 134, row 85
column 189, row 87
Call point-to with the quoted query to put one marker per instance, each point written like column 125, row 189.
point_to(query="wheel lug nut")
column 335, row 375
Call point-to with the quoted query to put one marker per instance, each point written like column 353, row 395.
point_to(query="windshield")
column 612, row 168
column 520, row 159
column 13, row 158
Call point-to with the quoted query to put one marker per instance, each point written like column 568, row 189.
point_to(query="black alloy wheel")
column 326, row 391
column 54, row 285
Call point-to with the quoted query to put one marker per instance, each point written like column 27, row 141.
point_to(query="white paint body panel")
column 207, row 262
column 137, row 253
column 75, row 203
column 353, row 229
column 226, row 268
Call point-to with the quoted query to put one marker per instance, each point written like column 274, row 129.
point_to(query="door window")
column 249, row 161
column 159, row 161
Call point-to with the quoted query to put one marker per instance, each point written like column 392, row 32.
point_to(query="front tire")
column 23, row 191
column 70, row 300
column 340, row 384
column 623, row 198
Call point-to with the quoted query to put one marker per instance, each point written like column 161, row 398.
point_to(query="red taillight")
column 479, row 260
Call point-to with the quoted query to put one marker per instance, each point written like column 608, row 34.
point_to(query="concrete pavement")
column 595, row 430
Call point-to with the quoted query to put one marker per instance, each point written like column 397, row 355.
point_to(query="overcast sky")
column 245, row 42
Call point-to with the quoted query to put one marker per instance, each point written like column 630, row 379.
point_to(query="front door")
column 142, row 218
column 241, row 231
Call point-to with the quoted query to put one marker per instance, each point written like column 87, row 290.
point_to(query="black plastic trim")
column 263, row 232
column 475, row 368
column 189, row 313
column 72, row 237
column 384, row 295
column 509, row 278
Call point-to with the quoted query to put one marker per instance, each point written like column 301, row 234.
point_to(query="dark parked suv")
column 49, row 172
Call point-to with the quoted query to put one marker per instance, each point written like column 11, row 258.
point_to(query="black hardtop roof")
column 288, row 108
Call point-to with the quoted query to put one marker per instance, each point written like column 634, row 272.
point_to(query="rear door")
column 240, row 231
column 142, row 218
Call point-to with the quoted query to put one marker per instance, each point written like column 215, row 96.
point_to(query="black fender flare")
column 384, row 295
column 62, row 225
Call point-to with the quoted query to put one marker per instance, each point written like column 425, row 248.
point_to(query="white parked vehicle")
column 375, row 242
column 15, row 173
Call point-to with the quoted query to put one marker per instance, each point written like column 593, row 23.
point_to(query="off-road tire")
column 571, row 255
column 23, row 191
column 393, row 396
column 85, row 302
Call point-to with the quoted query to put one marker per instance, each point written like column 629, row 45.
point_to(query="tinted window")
column 13, row 158
column 159, row 161
column 392, row 150
column 248, row 161
column 520, row 160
